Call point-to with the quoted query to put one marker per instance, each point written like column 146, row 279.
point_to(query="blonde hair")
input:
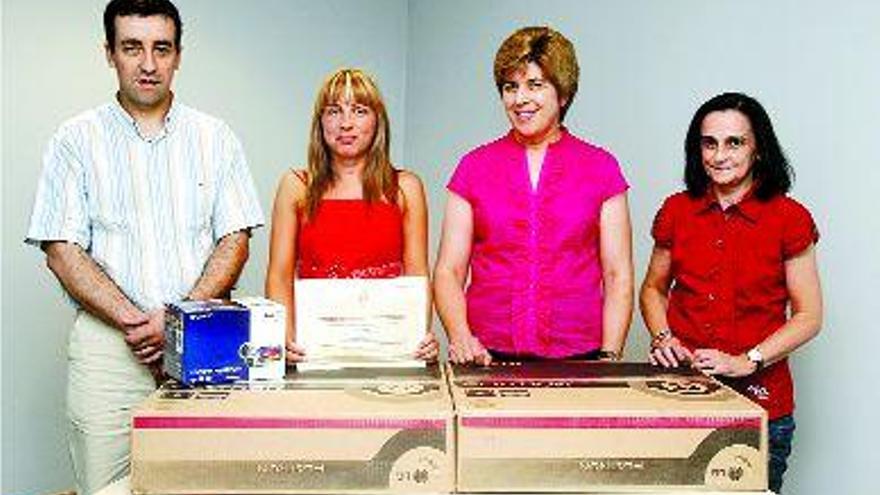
column 379, row 176
column 550, row 50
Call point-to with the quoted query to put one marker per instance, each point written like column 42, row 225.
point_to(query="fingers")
column 460, row 354
column 428, row 349
column 294, row 352
column 484, row 359
column 663, row 356
column 144, row 335
column 670, row 354
column 469, row 351
column 293, row 357
column 711, row 361
column 481, row 354
column 148, row 354
column 683, row 354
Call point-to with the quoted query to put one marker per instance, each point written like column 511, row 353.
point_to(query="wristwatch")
column 754, row 355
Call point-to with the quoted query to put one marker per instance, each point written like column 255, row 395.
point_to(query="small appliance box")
column 336, row 431
column 577, row 427
column 264, row 353
column 216, row 341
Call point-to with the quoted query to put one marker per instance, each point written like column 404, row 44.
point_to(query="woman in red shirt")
column 350, row 214
column 733, row 255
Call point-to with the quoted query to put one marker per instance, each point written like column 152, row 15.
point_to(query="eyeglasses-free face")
column 349, row 128
column 532, row 105
column 728, row 148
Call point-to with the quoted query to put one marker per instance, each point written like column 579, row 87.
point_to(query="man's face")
column 145, row 58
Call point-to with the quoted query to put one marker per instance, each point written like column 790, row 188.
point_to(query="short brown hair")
column 550, row 50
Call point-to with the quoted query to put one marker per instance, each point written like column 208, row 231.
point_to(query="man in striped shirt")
column 141, row 202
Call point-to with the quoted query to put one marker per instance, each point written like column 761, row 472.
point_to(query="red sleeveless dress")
column 351, row 238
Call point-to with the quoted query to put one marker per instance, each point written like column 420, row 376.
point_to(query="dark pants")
column 781, row 431
column 505, row 357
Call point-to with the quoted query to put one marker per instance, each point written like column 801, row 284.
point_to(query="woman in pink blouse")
column 539, row 219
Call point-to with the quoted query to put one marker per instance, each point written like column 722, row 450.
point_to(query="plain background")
column 645, row 67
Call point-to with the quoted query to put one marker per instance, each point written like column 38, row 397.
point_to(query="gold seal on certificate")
column 360, row 322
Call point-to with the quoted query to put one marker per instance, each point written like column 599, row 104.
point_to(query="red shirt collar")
column 749, row 207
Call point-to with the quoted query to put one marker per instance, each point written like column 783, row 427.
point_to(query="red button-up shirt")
column 728, row 271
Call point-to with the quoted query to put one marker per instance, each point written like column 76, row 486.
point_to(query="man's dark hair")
column 140, row 8
column 771, row 170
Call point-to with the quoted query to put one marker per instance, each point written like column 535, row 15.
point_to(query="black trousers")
column 505, row 357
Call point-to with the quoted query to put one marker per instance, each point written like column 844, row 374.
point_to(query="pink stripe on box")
column 223, row 423
column 619, row 422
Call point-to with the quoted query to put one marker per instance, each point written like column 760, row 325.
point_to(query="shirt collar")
column 126, row 119
column 511, row 138
column 749, row 207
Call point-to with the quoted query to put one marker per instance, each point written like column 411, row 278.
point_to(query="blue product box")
column 203, row 341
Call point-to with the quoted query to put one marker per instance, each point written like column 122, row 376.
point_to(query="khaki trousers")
column 105, row 382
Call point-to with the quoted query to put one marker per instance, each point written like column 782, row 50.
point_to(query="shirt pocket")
column 202, row 207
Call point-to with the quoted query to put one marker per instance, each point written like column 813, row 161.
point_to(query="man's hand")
column 147, row 340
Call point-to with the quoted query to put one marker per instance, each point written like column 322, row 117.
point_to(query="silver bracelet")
column 660, row 337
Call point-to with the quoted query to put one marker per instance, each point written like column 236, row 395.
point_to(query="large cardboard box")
column 365, row 431
column 547, row 427
column 122, row 486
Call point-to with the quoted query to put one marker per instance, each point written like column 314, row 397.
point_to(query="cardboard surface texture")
column 577, row 427
column 369, row 431
column 123, row 487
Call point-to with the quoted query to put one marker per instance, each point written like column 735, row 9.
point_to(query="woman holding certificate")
column 350, row 213
column 732, row 286
column 539, row 219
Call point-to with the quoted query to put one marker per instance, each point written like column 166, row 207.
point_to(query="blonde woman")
column 350, row 213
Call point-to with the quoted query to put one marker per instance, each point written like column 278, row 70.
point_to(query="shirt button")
column 719, row 243
column 711, row 297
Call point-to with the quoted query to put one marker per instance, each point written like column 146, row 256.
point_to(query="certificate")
column 360, row 322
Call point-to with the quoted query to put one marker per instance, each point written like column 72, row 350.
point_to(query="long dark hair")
column 771, row 171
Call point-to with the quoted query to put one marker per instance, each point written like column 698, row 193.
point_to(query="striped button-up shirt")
column 149, row 211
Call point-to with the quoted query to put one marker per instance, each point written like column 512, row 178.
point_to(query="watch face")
column 755, row 356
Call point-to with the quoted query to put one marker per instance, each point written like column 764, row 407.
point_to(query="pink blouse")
column 536, row 279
